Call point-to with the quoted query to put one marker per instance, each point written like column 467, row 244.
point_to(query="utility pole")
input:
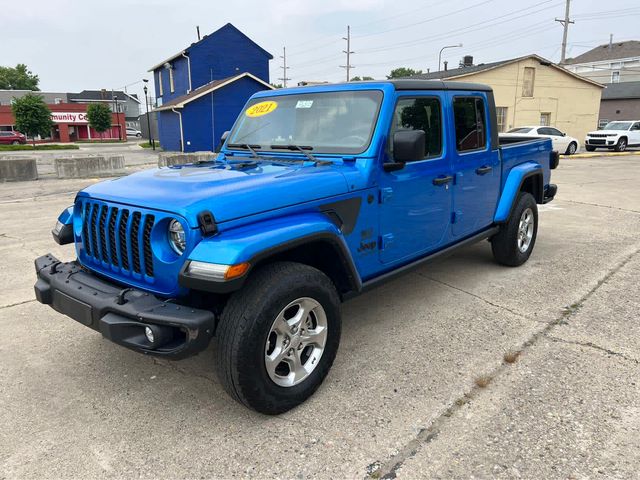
column 348, row 51
column 284, row 67
column 565, row 23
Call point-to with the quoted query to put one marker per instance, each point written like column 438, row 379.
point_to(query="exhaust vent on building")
column 467, row 61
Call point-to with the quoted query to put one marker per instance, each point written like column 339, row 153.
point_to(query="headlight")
column 177, row 237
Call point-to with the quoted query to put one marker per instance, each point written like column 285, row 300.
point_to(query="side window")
column 545, row 131
column 423, row 113
column 636, row 126
column 471, row 127
column 555, row 131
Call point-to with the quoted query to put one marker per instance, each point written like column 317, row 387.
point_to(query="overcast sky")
column 74, row 45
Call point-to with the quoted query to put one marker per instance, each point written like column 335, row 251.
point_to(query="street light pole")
column 441, row 50
column 146, row 104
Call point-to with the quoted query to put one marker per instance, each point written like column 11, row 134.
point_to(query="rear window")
column 471, row 128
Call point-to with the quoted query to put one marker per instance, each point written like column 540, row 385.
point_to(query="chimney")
column 610, row 41
column 467, row 61
column 445, row 65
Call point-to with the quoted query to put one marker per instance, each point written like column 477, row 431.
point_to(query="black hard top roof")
column 417, row 84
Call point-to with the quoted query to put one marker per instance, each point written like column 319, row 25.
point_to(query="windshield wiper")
column 300, row 148
column 246, row 146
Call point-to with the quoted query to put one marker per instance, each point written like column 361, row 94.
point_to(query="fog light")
column 149, row 334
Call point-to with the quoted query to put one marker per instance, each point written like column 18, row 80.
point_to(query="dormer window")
column 160, row 90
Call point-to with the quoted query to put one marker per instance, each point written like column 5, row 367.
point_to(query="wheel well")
column 533, row 184
column 323, row 255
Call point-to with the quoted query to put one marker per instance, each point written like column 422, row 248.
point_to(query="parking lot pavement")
column 401, row 399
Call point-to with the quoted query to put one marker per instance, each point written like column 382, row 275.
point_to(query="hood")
column 610, row 132
column 228, row 191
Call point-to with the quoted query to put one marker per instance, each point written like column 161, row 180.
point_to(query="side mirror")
column 223, row 137
column 564, row 134
column 408, row 146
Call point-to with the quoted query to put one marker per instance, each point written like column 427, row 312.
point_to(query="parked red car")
column 12, row 138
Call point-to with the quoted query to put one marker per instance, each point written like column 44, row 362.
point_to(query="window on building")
column 160, row 90
column 615, row 77
column 471, row 126
column 545, row 119
column 528, row 81
column 171, row 86
column 501, row 115
column 420, row 114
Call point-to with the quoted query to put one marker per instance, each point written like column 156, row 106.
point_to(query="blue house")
column 201, row 90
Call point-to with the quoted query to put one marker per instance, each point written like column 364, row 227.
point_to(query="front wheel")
column 15, row 142
column 278, row 337
column 513, row 244
column 621, row 146
column 572, row 148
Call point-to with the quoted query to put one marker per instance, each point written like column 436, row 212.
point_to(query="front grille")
column 597, row 142
column 112, row 235
column 598, row 135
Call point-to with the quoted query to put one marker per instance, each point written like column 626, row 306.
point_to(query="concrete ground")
column 420, row 387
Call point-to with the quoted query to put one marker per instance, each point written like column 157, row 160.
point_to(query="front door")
column 634, row 134
column 414, row 211
column 559, row 141
column 476, row 165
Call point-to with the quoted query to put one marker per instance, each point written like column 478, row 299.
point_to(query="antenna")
column 198, row 31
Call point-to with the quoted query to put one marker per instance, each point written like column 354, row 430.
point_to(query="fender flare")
column 257, row 242
column 513, row 185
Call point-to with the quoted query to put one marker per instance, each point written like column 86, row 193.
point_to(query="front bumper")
column 121, row 314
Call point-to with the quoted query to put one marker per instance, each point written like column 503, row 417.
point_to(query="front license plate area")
column 72, row 307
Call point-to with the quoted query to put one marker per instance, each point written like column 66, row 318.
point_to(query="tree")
column 99, row 116
column 18, row 78
column 32, row 116
column 276, row 85
column 358, row 79
column 403, row 72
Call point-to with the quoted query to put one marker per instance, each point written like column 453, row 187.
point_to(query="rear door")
column 476, row 163
column 415, row 212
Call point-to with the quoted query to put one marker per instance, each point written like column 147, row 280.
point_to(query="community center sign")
column 69, row 117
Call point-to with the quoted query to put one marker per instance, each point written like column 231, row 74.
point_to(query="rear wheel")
column 15, row 142
column 572, row 148
column 513, row 244
column 621, row 146
column 278, row 337
column 589, row 148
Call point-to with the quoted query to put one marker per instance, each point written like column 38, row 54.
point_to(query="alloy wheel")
column 525, row 230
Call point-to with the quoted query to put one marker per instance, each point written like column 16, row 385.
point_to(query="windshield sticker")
column 260, row 109
column 304, row 103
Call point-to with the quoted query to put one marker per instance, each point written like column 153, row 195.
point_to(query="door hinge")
column 455, row 216
column 386, row 241
column 385, row 194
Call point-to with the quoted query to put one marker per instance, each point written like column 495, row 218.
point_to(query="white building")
column 612, row 62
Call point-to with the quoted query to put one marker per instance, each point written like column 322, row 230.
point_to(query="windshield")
column 326, row 122
column 617, row 126
column 520, row 130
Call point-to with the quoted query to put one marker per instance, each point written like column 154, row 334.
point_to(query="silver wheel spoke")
column 525, row 230
column 273, row 360
column 317, row 336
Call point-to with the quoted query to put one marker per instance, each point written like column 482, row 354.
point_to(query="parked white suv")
column 616, row 135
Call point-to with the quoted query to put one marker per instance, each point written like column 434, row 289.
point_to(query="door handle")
column 442, row 180
column 483, row 170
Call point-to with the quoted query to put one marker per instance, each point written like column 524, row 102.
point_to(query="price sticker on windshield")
column 260, row 109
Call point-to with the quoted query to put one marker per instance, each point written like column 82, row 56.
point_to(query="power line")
column 348, row 51
column 565, row 24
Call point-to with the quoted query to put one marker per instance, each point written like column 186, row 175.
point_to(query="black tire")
column 245, row 326
column 138, row 135
column 505, row 243
column 572, row 148
column 589, row 148
column 15, row 142
column 621, row 146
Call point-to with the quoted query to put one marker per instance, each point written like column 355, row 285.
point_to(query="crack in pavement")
column 2, row 307
column 594, row 346
column 389, row 468
column 602, row 206
column 488, row 302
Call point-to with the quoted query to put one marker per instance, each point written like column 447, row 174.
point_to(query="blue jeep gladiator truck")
column 317, row 194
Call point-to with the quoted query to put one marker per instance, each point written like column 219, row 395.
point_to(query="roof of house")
column 205, row 37
column 100, row 95
column 182, row 100
column 482, row 67
column 622, row 90
column 618, row 50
